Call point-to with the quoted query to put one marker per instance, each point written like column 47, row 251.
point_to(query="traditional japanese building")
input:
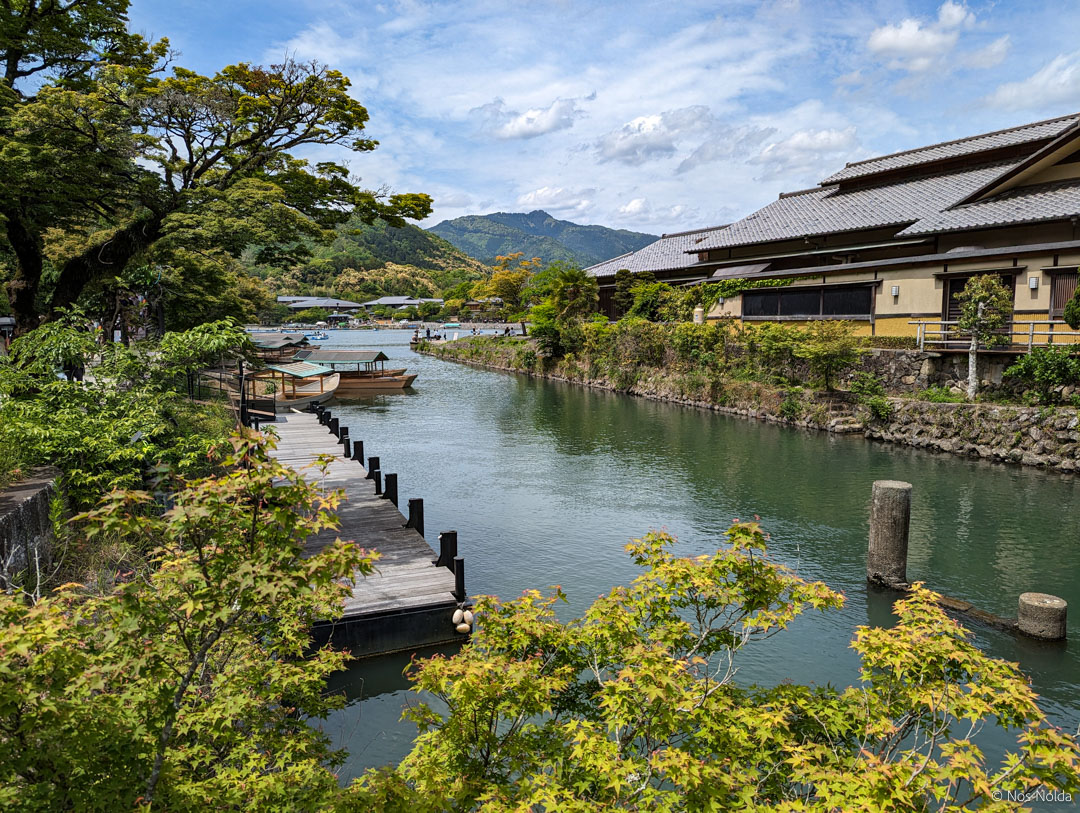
column 890, row 242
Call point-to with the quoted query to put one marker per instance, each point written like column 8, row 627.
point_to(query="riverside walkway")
column 410, row 601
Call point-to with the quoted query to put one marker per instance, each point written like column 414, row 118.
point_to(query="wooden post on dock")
column 447, row 550
column 347, row 451
column 390, row 490
column 459, row 578
column 890, row 522
column 358, row 451
column 335, row 425
column 343, row 435
column 416, row 515
column 377, row 477
column 372, row 465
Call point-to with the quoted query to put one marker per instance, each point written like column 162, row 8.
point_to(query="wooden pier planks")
column 406, row 579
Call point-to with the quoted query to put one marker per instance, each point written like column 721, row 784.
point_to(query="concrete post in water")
column 459, row 578
column 372, row 465
column 416, row 515
column 377, row 477
column 347, row 451
column 390, row 491
column 890, row 519
column 1042, row 616
column 358, row 451
column 447, row 549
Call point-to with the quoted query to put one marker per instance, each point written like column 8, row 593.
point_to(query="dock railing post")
column 358, row 451
column 890, row 522
column 324, row 417
column 346, row 453
column 343, row 434
column 447, row 549
column 416, row 515
column 459, row 578
column 390, row 491
column 377, row 477
column 372, row 465
column 335, row 425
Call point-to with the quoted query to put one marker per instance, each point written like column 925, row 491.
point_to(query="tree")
column 310, row 316
column 187, row 686
column 428, row 310
column 509, row 283
column 633, row 706
column 623, row 299
column 829, row 346
column 185, row 170
column 574, row 293
column 985, row 308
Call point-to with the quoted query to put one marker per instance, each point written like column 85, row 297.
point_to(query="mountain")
column 376, row 260
column 538, row 234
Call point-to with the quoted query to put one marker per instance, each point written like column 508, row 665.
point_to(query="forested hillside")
column 374, row 260
column 538, row 234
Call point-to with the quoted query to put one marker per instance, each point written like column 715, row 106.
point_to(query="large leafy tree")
column 985, row 310
column 180, row 172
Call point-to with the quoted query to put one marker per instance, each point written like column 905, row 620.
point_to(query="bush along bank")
column 714, row 367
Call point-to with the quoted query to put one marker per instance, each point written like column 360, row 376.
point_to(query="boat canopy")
column 300, row 369
column 320, row 356
column 276, row 341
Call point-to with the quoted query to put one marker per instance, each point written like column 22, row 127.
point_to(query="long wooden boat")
column 359, row 371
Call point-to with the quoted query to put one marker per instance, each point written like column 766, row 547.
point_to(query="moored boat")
column 296, row 384
column 359, row 371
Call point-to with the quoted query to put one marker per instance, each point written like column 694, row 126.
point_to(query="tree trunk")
column 107, row 258
column 22, row 290
column 973, row 368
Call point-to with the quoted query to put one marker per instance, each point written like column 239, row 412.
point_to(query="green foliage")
column 128, row 418
column 1046, row 370
column 985, row 308
column 623, row 298
column 573, row 294
column 312, row 315
column 186, row 688
column 867, row 385
column 655, row 301
column 701, row 345
column 633, row 706
column 1072, row 311
column 940, row 395
column 881, row 408
column 830, row 346
column 792, row 405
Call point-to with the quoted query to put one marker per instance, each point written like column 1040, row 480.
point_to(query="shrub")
column 892, row 342
column 866, row 385
column 792, row 406
column 941, row 395
column 881, row 408
column 829, row 347
column 1046, row 369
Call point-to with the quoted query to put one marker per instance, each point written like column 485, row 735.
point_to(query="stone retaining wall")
column 26, row 533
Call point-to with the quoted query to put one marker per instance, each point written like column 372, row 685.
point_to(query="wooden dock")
column 409, row 602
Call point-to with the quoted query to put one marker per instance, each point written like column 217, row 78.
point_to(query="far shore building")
column 399, row 303
column 890, row 242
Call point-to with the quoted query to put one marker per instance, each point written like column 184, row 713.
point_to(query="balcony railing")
column 1021, row 334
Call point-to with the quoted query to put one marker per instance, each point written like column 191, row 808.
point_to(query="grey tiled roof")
column 666, row 254
column 1025, row 204
column 827, row 211
column 953, row 149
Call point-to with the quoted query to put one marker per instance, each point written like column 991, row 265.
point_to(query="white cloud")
column 1056, row 83
column 917, row 46
column 807, row 152
column 558, row 200
column 990, row 55
column 635, row 207
column 647, row 138
column 558, row 115
column 726, row 144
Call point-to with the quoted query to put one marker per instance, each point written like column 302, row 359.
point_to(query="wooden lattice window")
column 1063, row 286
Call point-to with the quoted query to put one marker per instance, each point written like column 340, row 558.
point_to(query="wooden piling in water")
column 890, row 522
column 459, row 578
column 372, row 465
column 358, row 451
column 447, row 549
column 390, row 488
column 377, row 477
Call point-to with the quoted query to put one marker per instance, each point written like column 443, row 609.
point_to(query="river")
column 545, row 483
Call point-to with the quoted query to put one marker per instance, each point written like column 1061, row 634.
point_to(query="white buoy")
column 459, row 616
column 467, row 616
column 463, row 628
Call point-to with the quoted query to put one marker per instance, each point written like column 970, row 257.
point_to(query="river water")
column 546, row 482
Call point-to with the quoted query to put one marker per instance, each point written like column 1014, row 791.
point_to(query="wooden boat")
column 360, row 371
column 297, row 384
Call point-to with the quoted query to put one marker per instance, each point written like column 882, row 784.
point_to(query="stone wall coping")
column 20, row 492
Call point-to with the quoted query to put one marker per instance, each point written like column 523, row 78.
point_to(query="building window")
column 1064, row 286
column 809, row 303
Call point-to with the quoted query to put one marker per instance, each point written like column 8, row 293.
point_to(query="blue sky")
column 653, row 116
